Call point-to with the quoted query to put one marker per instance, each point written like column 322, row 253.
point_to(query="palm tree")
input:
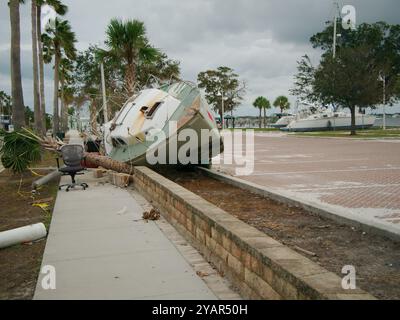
column 67, row 99
column 266, row 105
column 65, row 69
column 58, row 40
column 282, row 102
column 262, row 103
column 18, row 108
column 36, row 98
column 60, row 9
column 127, row 42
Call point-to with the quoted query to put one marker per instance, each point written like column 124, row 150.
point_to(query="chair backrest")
column 72, row 154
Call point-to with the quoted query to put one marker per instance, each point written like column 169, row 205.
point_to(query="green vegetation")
column 262, row 103
column 219, row 84
column 18, row 150
column 371, row 134
column 366, row 59
column 256, row 129
column 282, row 102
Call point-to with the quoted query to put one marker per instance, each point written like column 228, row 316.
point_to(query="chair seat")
column 71, row 169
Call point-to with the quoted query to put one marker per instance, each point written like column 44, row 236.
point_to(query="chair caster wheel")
column 67, row 190
column 59, row 188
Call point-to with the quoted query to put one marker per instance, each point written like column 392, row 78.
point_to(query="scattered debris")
column 153, row 214
column 44, row 200
column 118, row 179
column 42, row 206
column 122, row 211
column 310, row 253
column 323, row 227
column 25, row 234
column 202, row 274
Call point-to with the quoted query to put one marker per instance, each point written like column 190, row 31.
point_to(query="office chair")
column 72, row 155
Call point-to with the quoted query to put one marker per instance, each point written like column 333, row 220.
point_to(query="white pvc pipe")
column 24, row 234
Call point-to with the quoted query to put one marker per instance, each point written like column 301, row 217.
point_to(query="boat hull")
column 329, row 124
column 132, row 142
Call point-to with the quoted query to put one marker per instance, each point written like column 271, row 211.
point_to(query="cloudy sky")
column 260, row 39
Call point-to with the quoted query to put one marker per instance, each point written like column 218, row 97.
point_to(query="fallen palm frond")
column 22, row 148
column 18, row 150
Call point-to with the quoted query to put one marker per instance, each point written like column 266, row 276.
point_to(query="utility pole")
column 334, row 35
column 103, row 89
column 223, row 111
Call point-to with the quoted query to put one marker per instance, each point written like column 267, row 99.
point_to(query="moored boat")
column 329, row 120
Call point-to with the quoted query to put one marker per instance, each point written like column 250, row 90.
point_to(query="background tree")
column 334, row 80
column 282, row 103
column 5, row 104
column 127, row 42
column 71, row 113
column 262, row 103
column 304, row 81
column 18, row 107
column 351, row 80
column 162, row 69
column 222, row 80
column 383, row 41
column 87, row 80
column 58, row 40
column 29, row 116
column 61, row 10
column 65, row 94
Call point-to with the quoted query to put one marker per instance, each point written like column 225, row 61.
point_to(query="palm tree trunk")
column 18, row 108
column 265, row 117
column 260, row 119
column 109, row 163
column 36, row 98
column 62, row 108
column 56, row 119
column 353, row 120
column 130, row 78
column 41, row 69
column 93, row 113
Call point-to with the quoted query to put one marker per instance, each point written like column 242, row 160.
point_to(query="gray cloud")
column 260, row 39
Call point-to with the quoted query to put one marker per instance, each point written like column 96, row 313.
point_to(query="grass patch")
column 255, row 129
column 370, row 134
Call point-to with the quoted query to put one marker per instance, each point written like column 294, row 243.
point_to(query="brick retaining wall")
column 259, row 266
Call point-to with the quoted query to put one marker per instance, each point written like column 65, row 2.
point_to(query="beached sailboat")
column 325, row 119
column 153, row 119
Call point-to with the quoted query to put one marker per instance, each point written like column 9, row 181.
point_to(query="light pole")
column 222, row 108
column 103, row 89
column 382, row 78
column 335, row 34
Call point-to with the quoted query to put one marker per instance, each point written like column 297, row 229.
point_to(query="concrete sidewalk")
column 101, row 249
